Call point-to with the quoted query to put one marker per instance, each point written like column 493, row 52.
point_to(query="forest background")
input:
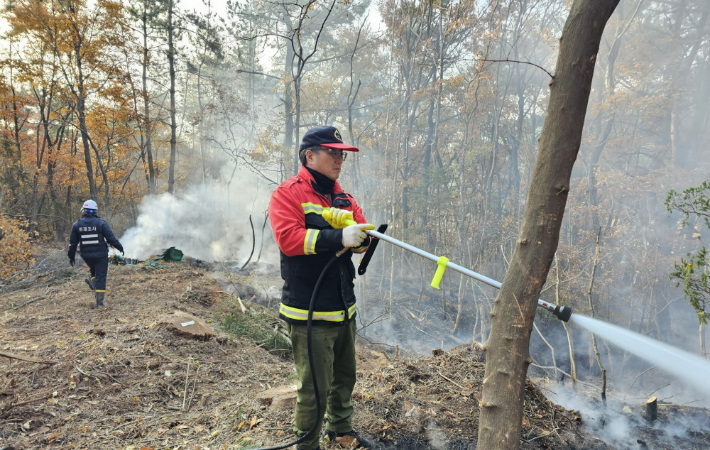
column 131, row 103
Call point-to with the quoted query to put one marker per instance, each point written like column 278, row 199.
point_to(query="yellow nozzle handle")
column 340, row 223
column 343, row 222
column 441, row 267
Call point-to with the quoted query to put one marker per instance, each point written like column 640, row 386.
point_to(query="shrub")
column 15, row 247
column 259, row 325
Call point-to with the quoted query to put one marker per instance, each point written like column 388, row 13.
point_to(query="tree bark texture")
column 81, row 113
column 507, row 350
column 148, row 129
column 173, row 122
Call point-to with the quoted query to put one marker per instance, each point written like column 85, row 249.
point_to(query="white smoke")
column 620, row 423
column 209, row 221
column 437, row 438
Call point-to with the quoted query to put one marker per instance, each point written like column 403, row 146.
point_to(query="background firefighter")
column 307, row 242
column 93, row 233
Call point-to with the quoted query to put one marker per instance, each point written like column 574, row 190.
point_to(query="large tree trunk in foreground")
column 507, row 350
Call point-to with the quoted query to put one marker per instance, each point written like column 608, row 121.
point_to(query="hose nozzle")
column 561, row 312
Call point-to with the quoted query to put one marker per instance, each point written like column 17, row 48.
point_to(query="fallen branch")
column 184, row 394
column 8, row 386
column 26, row 358
column 109, row 375
column 5, row 408
column 450, row 380
column 27, row 303
column 541, row 436
column 96, row 371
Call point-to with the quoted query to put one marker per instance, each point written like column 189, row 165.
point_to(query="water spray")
column 561, row 312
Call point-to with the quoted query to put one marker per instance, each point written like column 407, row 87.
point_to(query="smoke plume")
column 209, row 221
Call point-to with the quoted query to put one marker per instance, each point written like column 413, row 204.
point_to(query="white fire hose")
column 561, row 312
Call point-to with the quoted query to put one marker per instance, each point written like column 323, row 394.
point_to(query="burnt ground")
column 118, row 378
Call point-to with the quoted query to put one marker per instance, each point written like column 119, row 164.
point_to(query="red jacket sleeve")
column 289, row 226
column 287, row 221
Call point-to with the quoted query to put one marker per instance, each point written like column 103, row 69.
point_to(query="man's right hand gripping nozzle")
column 353, row 235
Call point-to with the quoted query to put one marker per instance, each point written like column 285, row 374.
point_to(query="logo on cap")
column 337, row 135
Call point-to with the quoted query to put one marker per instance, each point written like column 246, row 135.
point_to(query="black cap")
column 326, row 136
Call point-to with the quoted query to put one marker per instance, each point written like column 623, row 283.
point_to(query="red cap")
column 342, row 147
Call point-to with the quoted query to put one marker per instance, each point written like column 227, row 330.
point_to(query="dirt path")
column 116, row 377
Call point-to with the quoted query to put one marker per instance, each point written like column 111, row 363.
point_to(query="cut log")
column 189, row 326
column 281, row 397
column 651, row 409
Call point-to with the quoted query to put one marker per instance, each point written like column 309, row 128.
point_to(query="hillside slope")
column 118, row 378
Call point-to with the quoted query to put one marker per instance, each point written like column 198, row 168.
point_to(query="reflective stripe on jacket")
column 92, row 233
column 302, row 314
column 307, row 242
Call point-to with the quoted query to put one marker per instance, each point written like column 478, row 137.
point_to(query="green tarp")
column 172, row 254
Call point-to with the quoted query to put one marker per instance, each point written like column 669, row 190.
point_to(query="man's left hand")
column 337, row 218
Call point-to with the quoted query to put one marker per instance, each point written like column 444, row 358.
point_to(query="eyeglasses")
column 338, row 154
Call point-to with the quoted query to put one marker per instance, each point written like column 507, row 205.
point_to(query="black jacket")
column 307, row 242
column 93, row 233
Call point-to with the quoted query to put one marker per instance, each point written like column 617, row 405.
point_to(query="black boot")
column 90, row 282
column 100, row 299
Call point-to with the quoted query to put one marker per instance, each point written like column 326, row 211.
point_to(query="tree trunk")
column 520, row 91
column 288, row 101
column 695, row 146
column 297, row 114
column 40, row 145
column 81, row 113
column 147, row 128
column 507, row 350
column 173, row 124
column 203, row 151
column 678, row 153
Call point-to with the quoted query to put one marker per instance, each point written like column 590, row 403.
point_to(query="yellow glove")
column 338, row 218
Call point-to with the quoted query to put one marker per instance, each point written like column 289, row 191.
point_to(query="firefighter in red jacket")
column 307, row 242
